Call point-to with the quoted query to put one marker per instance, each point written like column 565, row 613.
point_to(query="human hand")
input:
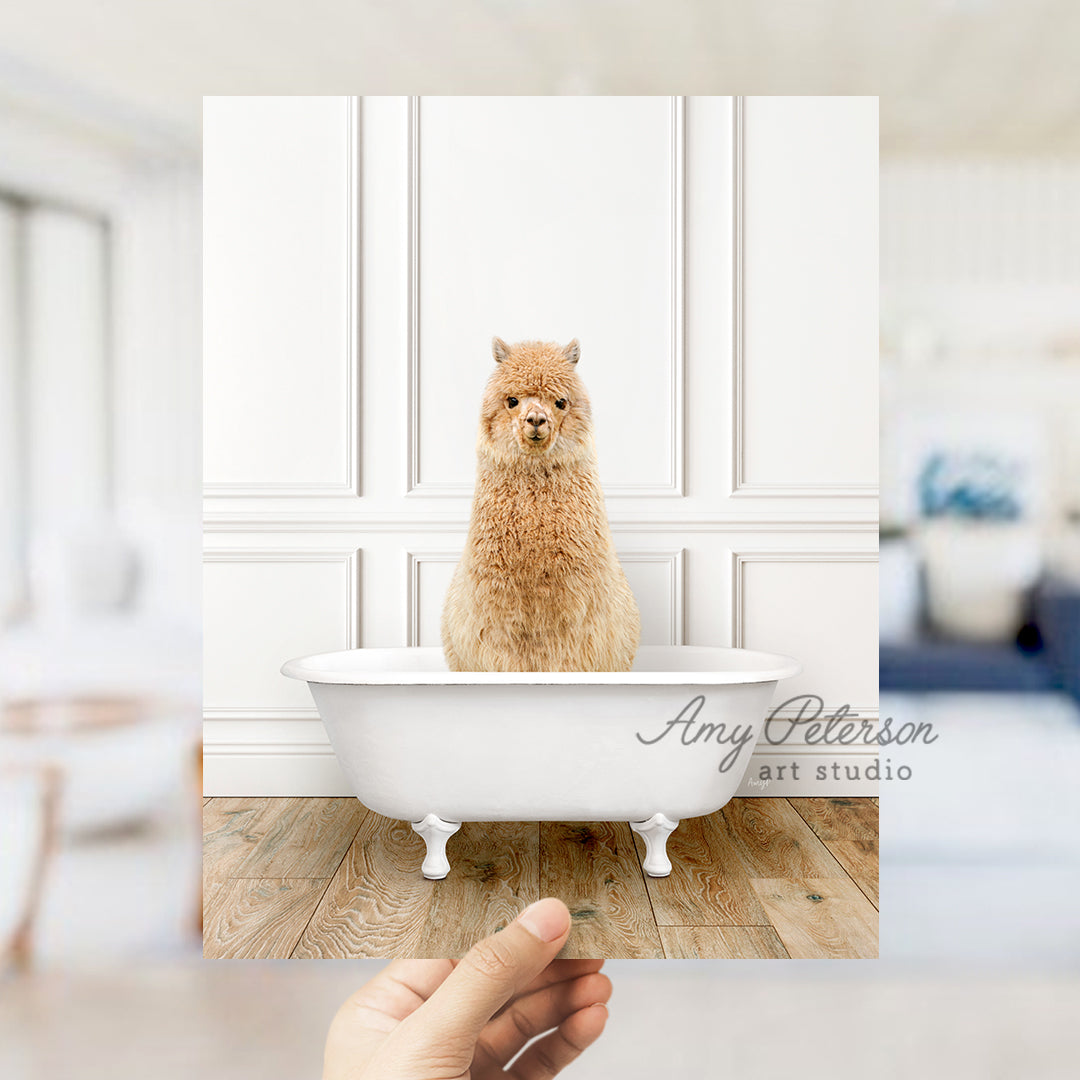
column 465, row 1019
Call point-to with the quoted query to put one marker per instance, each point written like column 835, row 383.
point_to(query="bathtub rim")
column 772, row 667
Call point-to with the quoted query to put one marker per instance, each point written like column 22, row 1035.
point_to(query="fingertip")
column 604, row 988
column 547, row 919
column 586, row 1025
column 597, row 1015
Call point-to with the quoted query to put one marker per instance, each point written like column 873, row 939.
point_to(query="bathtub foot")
column 655, row 832
column 436, row 832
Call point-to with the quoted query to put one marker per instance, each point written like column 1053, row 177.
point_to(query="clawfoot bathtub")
column 668, row 740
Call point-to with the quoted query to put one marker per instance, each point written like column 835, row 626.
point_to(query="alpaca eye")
column 561, row 403
column 512, row 402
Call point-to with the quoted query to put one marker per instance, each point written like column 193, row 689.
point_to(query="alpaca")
column 538, row 587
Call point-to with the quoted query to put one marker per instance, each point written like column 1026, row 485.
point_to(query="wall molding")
column 741, row 488
column 673, row 559
column 349, row 487
column 312, row 748
column 413, row 562
column 415, row 486
column 311, row 769
column 247, row 712
column 350, row 558
column 268, row 749
column 739, row 559
column 323, row 748
column 380, row 522
column 805, row 490
column 272, row 770
column 857, row 712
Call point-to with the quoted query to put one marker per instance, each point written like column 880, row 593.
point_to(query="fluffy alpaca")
column 538, row 587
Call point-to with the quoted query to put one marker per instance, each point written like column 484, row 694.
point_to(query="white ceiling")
column 954, row 76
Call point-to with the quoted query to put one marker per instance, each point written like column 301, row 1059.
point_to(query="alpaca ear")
column 572, row 352
column 499, row 349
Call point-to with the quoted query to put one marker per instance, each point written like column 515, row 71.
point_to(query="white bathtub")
column 434, row 747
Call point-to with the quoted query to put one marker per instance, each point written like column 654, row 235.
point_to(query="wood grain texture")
column 209, row 890
column 304, row 838
column 839, row 819
column 774, row 841
column 249, row 919
column 593, row 868
column 722, row 943
column 228, row 838
column 231, row 803
column 708, row 884
column 820, row 918
column 860, row 859
column 741, row 885
column 379, row 904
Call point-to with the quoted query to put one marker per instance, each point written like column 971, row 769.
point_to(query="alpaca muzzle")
column 536, row 426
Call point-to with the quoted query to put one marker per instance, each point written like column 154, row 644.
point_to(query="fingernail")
column 547, row 919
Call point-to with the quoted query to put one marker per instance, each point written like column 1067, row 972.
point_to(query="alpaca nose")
column 536, row 419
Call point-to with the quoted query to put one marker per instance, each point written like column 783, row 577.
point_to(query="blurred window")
column 56, row 388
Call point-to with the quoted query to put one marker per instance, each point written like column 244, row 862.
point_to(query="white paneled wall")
column 717, row 259
column 583, row 199
column 810, row 315
column 316, row 591
column 280, row 298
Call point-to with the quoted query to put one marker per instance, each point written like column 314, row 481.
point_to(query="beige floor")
column 325, row 878
column 681, row 1020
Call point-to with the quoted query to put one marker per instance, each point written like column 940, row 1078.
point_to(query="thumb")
column 490, row 974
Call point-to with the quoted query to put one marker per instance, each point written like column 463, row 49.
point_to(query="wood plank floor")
column 326, row 878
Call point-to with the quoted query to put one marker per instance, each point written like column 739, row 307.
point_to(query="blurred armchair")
column 28, row 815
column 1057, row 615
column 1045, row 655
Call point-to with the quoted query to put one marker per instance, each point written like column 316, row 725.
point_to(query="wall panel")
column 805, row 364
column 548, row 218
column 818, row 605
column 280, row 296
column 262, row 607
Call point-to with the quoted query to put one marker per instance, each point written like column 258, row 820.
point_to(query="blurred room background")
column 99, row 540
column 980, row 547
column 99, row 530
